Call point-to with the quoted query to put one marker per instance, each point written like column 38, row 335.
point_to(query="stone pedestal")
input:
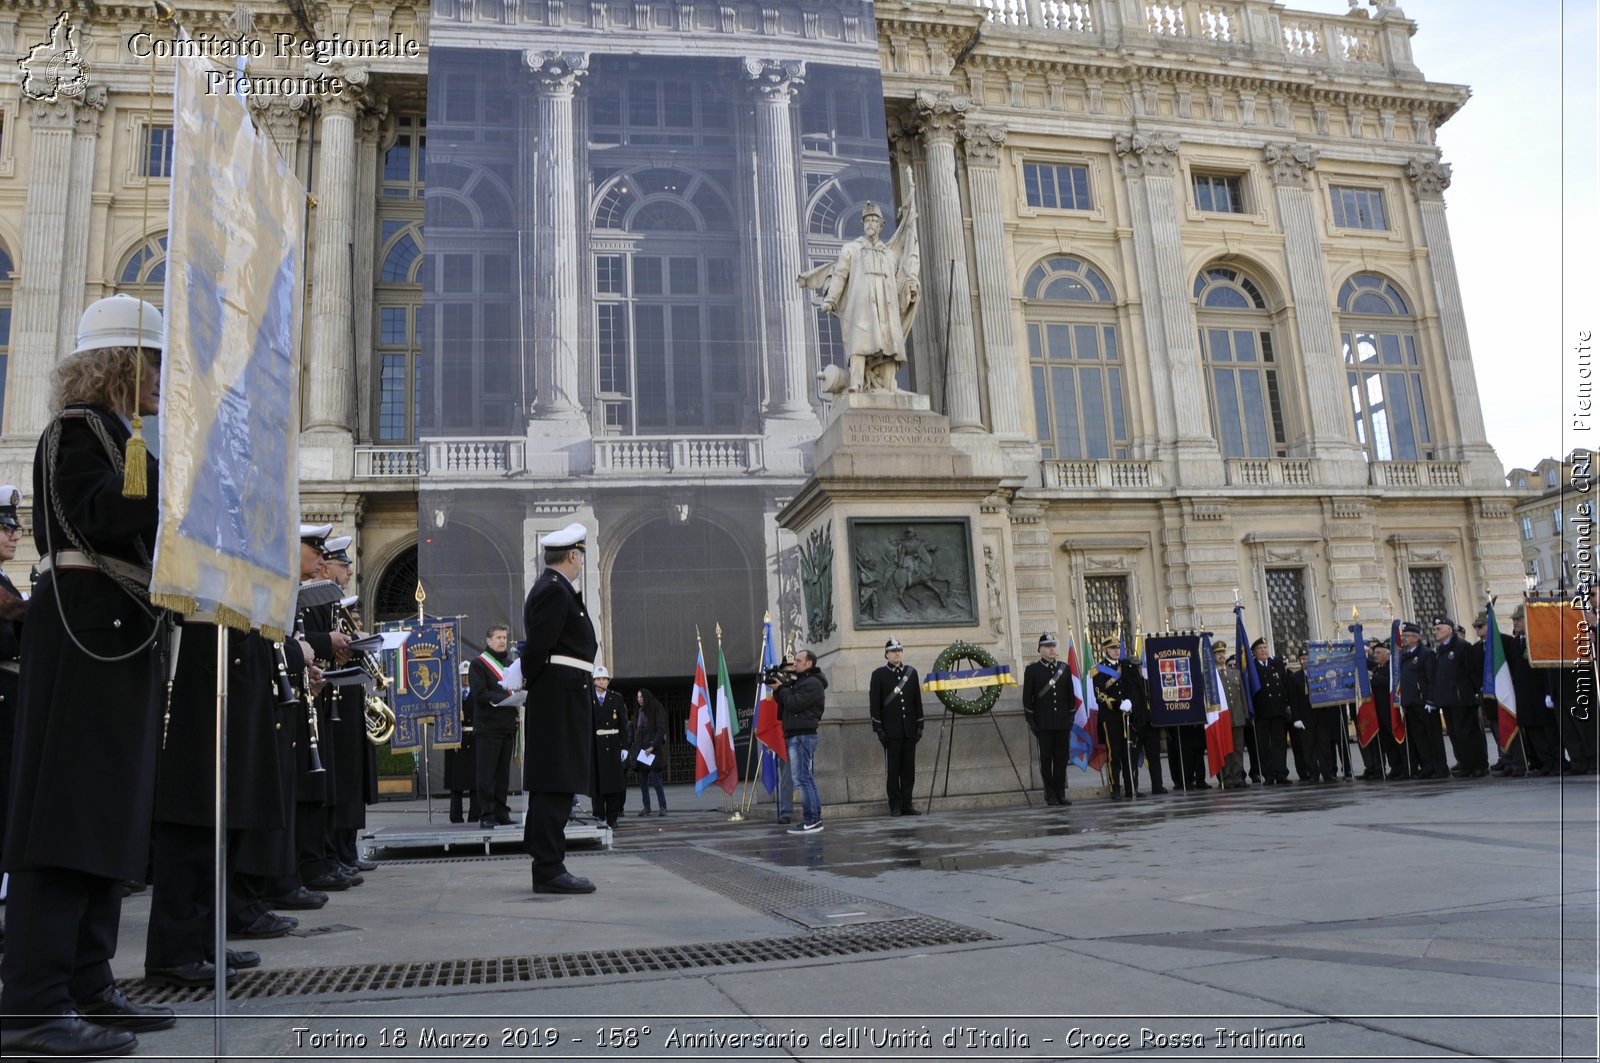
column 890, row 532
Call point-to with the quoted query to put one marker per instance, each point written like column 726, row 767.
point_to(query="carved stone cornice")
column 775, row 80
column 1146, row 154
column 1429, row 177
column 941, row 115
column 556, row 73
column 983, row 141
column 1290, row 163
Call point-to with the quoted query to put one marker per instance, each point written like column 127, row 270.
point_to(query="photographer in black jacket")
column 801, row 703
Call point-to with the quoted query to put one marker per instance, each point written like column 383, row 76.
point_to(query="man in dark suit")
column 1048, row 706
column 557, row 663
column 1457, row 679
column 894, row 699
column 494, row 728
column 1272, row 703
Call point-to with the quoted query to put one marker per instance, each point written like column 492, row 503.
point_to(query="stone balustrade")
column 1271, row 472
column 1451, row 474
column 1101, row 474
column 700, row 455
column 387, row 463
column 474, row 457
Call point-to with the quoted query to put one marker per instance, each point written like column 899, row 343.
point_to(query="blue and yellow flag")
column 230, row 394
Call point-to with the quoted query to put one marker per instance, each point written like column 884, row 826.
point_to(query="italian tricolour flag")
column 1497, row 680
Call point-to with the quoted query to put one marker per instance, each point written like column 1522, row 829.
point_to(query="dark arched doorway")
column 394, row 597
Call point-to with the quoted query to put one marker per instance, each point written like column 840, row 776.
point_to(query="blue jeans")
column 802, row 749
column 785, row 792
column 647, row 776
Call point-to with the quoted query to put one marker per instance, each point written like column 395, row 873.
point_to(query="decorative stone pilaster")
column 940, row 117
column 330, row 353
column 1183, row 424
column 53, row 253
column 369, row 147
column 1328, row 437
column 549, row 146
column 279, row 117
column 773, row 86
column 983, row 142
column 1429, row 178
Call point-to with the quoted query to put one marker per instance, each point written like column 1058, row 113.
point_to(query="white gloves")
column 1299, row 725
column 1126, row 706
column 1431, row 708
column 1549, row 702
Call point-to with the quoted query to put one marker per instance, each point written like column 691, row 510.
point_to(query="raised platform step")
column 581, row 831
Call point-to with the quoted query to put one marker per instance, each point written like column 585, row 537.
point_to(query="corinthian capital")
column 775, row 80
column 353, row 96
column 941, row 114
column 556, row 73
column 1429, row 177
column 1290, row 163
column 80, row 111
column 983, row 142
column 1146, row 154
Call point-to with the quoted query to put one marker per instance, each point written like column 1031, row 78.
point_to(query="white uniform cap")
column 600, row 672
column 572, row 535
column 120, row 321
column 337, row 543
column 9, row 495
column 315, row 531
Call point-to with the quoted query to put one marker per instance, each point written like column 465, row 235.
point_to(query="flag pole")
column 737, row 815
column 747, row 801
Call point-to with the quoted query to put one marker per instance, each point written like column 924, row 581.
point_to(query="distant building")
column 1543, row 518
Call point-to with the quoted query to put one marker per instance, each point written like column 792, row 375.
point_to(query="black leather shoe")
column 365, row 865
column 300, row 900
column 110, row 1007
column 351, row 875
column 330, row 881
column 1158, row 791
column 502, row 820
column 66, row 1035
column 240, row 959
column 196, row 975
column 564, row 883
column 486, row 823
column 267, row 925
column 910, row 810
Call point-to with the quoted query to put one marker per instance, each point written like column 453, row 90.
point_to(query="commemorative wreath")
column 965, row 667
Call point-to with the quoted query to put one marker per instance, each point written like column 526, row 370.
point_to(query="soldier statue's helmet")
column 314, row 534
column 871, row 210
column 892, row 646
column 10, row 499
column 334, row 549
column 1410, row 627
column 1047, row 639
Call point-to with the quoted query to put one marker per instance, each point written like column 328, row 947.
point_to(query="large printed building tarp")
column 229, row 386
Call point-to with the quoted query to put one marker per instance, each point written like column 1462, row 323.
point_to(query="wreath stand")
column 956, row 706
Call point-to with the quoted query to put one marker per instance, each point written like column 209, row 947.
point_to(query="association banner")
column 1174, row 670
column 426, row 680
column 230, row 396
column 1331, row 672
column 1557, row 634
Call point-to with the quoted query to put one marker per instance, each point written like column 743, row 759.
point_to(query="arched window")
column 6, row 270
column 397, row 339
column 144, row 272
column 1075, row 361
column 1241, row 365
column 1383, row 370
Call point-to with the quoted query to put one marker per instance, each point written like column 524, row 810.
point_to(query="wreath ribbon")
column 984, row 675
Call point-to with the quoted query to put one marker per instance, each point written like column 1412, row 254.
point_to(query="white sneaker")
column 807, row 828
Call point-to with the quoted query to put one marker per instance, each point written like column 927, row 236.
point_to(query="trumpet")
column 376, row 714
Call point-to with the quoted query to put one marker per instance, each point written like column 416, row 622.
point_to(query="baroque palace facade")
column 1206, row 335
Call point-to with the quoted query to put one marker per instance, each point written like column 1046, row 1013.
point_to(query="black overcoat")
column 87, row 728
column 10, row 652
column 558, row 725
column 1047, row 706
column 895, row 715
column 610, row 770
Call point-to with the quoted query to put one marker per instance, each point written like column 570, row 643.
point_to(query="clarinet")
column 310, row 704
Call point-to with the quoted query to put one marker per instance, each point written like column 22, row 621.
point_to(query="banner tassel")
column 181, row 604
column 135, row 479
column 234, row 619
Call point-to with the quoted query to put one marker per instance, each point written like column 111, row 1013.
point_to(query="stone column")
column 330, row 352
column 1429, row 178
column 555, row 275
column 279, row 118
column 1327, row 420
column 55, row 221
column 983, row 142
column 1183, row 422
column 369, row 140
column 941, row 115
column 774, row 83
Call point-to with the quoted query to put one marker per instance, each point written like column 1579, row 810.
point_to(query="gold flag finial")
column 420, row 596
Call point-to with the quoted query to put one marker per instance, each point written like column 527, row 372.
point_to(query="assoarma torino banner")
column 1177, row 684
column 230, row 393
column 426, row 675
column 620, row 200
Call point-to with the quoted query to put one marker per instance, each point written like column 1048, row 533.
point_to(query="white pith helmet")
column 121, row 321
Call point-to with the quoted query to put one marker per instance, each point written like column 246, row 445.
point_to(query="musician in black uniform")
column 1272, row 703
column 88, row 719
column 612, row 740
column 557, row 664
column 12, row 608
column 894, row 699
column 1048, row 706
column 494, row 728
column 1424, row 727
column 355, row 758
column 1116, row 711
column 1454, row 689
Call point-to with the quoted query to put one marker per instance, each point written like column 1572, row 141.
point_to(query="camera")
column 778, row 675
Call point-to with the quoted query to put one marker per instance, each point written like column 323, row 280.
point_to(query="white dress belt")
column 572, row 662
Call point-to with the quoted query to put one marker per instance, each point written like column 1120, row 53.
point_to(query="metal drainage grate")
column 865, row 939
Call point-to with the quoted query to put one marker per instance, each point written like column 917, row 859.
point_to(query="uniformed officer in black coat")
column 355, row 758
column 1144, row 738
column 609, row 787
column 1272, row 704
column 894, row 698
column 557, row 662
column 1455, row 684
column 1048, row 706
column 88, row 719
column 494, row 728
column 1116, row 711
column 1424, row 726
column 1538, row 735
column 12, row 608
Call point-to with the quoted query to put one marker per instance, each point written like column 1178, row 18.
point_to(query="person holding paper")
column 494, row 726
column 650, row 748
column 611, row 741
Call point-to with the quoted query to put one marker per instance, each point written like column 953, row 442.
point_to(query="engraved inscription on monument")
column 912, row 573
column 889, row 429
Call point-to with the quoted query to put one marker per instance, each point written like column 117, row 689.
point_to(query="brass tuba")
column 375, row 711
